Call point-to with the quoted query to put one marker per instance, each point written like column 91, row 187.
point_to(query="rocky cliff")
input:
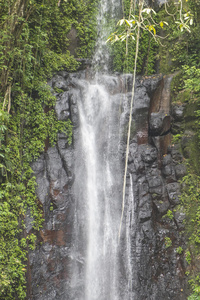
column 154, row 168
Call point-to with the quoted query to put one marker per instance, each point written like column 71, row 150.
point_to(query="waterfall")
column 98, row 176
column 79, row 186
column 97, row 190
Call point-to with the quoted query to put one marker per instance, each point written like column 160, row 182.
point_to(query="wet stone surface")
column 158, row 267
column 157, row 270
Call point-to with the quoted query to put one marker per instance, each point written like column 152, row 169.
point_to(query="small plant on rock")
column 168, row 242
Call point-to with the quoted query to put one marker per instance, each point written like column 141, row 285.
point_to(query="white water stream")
column 101, row 232
column 98, row 182
column 97, row 187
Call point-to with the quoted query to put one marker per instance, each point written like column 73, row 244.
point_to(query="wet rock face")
column 160, row 269
column 154, row 170
column 157, row 269
column 49, row 262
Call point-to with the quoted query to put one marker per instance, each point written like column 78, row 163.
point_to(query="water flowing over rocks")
column 149, row 268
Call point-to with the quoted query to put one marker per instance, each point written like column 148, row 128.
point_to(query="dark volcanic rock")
column 62, row 107
column 149, row 153
column 155, row 170
column 180, row 217
column 60, row 83
column 159, row 123
column 178, row 112
column 175, row 153
column 180, row 171
column 157, row 271
column 173, row 190
column 162, row 206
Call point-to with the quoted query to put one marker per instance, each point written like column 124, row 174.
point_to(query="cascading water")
column 98, row 197
column 99, row 178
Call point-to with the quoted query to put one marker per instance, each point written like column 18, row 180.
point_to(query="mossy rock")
column 190, row 113
column 176, row 87
column 191, row 150
column 182, row 97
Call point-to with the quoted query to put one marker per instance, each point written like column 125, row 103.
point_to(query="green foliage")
column 12, row 268
column 190, row 198
column 146, row 60
column 179, row 250
column 147, row 48
column 185, row 90
column 86, row 28
column 195, row 284
column 153, row 29
column 191, row 201
column 168, row 242
column 169, row 215
column 188, row 257
column 192, row 82
column 176, row 138
column 194, row 297
column 51, row 207
column 180, row 47
column 179, row 94
column 34, row 44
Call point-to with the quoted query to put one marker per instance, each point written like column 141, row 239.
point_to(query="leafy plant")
column 168, row 242
column 169, row 215
column 195, row 283
column 176, row 138
column 179, row 250
column 194, row 297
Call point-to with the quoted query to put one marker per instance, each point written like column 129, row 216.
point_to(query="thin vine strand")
column 141, row 3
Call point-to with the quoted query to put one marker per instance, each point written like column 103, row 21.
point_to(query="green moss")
column 183, row 97
column 169, row 215
column 192, row 151
column 190, row 113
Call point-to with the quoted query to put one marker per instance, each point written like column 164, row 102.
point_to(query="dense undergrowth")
column 33, row 46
